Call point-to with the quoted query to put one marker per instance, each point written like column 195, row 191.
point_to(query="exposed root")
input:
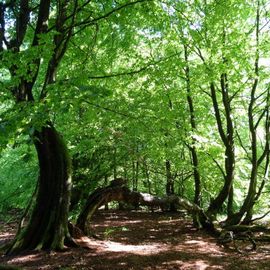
column 242, row 242
column 78, row 238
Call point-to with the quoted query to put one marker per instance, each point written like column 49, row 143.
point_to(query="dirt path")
column 139, row 240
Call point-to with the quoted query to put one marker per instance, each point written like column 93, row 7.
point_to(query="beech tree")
column 34, row 38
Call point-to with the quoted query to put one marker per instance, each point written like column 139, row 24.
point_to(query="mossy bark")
column 48, row 225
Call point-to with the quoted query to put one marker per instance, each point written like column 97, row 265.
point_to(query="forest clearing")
column 156, row 108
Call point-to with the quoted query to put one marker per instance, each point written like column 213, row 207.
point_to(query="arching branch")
column 102, row 196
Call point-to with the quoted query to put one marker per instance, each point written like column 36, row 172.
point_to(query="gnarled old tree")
column 48, row 224
column 34, row 37
column 121, row 193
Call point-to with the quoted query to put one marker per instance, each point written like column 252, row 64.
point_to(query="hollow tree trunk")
column 48, row 225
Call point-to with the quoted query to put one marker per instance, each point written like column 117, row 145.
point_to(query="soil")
column 141, row 240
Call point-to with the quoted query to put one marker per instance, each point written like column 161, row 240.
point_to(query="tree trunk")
column 147, row 175
column 48, row 225
column 192, row 121
column 135, row 168
column 170, row 183
column 227, row 137
column 230, row 202
column 248, row 217
column 106, row 206
column 169, row 177
column 255, row 162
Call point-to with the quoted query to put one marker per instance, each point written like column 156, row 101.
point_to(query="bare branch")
column 218, row 165
column 261, row 217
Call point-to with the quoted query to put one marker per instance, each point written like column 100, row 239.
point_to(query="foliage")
column 120, row 100
column 18, row 172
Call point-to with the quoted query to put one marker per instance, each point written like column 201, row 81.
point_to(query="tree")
column 102, row 196
column 35, row 36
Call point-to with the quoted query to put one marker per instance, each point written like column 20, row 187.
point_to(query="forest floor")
column 141, row 240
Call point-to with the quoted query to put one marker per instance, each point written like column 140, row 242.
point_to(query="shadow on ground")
column 141, row 240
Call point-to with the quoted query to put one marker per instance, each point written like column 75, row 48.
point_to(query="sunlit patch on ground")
column 143, row 241
column 24, row 258
column 135, row 249
column 202, row 246
column 110, row 223
column 6, row 236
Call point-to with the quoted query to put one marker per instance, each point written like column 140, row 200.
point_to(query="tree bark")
column 102, row 196
column 192, row 121
column 227, row 137
column 169, row 177
column 255, row 161
column 48, row 227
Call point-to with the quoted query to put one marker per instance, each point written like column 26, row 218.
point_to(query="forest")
column 134, row 134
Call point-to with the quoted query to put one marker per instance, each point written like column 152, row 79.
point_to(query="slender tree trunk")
column 255, row 161
column 248, row 217
column 48, row 227
column 169, row 177
column 230, row 202
column 114, row 163
column 133, row 177
column 170, row 183
column 192, row 148
column 106, row 206
column 147, row 175
column 227, row 137
column 137, row 174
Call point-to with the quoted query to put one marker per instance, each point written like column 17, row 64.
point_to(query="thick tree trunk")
column 48, row 225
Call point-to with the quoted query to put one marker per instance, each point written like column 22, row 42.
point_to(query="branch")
column 217, row 113
column 106, row 15
column 130, row 72
column 242, row 145
column 261, row 217
column 43, row 15
column 110, row 110
column 2, row 25
column 218, row 165
column 260, row 118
